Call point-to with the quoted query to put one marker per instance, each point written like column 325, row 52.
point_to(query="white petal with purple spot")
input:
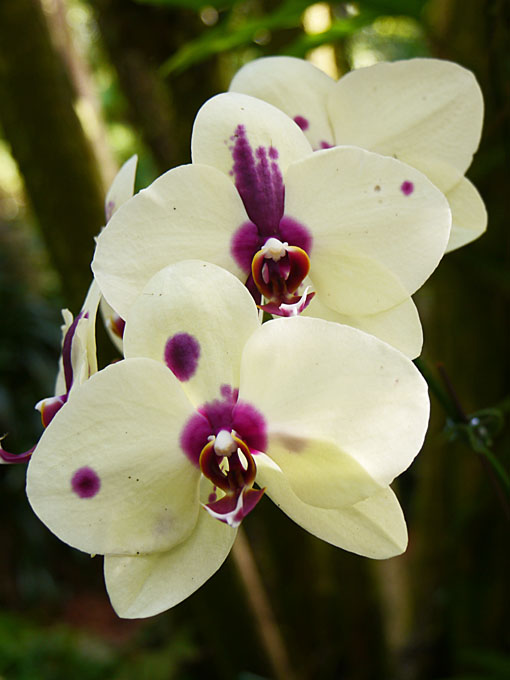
column 296, row 87
column 196, row 318
column 109, row 474
column 359, row 201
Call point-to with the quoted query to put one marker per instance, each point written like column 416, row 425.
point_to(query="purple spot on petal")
column 182, row 352
column 229, row 393
column 326, row 145
column 85, row 482
column 295, row 234
column 273, row 153
column 109, row 209
column 407, row 188
column 245, row 243
column 250, row 425
column 302, row 122
column 194, row 437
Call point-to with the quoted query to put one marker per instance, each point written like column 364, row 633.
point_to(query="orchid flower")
column 153, row 461
column 77, row 362
column 359, row 230
column 426, row 112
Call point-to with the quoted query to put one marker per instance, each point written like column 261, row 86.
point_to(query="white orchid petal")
column 374, row 527
column 372, row 206
column 469, row 216
column 340, row 385
column 214, row 132
column 425, row 112
column 318, row 471
column 189, row 212
column 294, row 86
column 196, row 306
column 146, row 585
column 122, row 187
column 109, row 475
column 109, row 315
column 399, row 326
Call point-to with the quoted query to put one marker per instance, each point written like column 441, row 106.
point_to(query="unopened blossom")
column 77, row 363
column 349, row 233
column 156, row 459
column 121, row 190
column 426, row 112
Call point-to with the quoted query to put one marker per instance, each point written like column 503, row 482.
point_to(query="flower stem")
column 263, row 613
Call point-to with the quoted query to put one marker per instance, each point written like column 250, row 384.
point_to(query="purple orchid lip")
column 226, row 413
column 222, row 438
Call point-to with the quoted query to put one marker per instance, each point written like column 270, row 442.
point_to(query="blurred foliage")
column 237, row 28
column 29, row 651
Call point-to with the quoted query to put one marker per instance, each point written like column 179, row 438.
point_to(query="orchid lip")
column 226, row 460
column 278, row 270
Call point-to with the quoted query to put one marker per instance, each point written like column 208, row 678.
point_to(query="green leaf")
column 226, row 36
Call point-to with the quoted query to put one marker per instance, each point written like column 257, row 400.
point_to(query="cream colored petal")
column 197, row 317
column 425, row 112
column 189, row 212
column 374, row 527
column 109, row 315
column 146, row 585
column 469, row 216
column 369, row 206
column 399, row 326
column 109, row 474
column 215, row 132
column 296, row 87
column 319, row 472
column 122, row 187
column 316, row 380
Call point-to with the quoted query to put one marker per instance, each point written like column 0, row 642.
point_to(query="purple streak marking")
column 407, row 188
column 259, row 182
column 223, row 414
column 182, row 352
column 67, row 347
column 16, row 457
column 85, row 482
column 326, row 145
column 302, row 122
